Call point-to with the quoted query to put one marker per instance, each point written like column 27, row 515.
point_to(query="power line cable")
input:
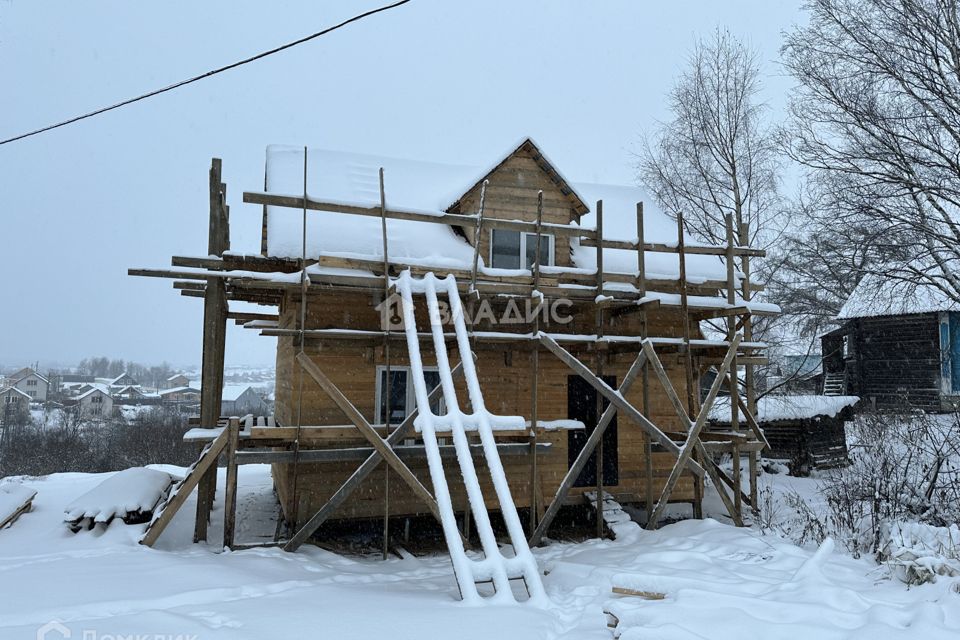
column 208, row 74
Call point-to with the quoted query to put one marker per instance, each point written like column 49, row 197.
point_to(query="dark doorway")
column 582, row 406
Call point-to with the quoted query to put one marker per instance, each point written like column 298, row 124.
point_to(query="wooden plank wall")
column 506, row 381
column 897, row 361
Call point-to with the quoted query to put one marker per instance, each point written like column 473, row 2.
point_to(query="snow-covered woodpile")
column 131, row 495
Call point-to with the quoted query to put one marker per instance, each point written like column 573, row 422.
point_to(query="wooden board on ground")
column 15, row 500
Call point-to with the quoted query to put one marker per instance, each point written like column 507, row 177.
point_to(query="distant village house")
column 31, row 383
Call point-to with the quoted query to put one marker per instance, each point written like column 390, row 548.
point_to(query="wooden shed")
column 563, row 338
column 897, row 346
column 804, row 431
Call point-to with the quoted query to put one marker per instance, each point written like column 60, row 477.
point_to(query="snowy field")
column 719, row 581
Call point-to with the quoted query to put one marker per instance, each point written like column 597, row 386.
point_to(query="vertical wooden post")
column 301, row 343
column 386, row 353
column 600, row 354
column 750, row 389
column 265, row 219
column 644, row 331
column 535, row 497
column 214, row 342
column 230, row 491
column 688, row 356
column 734, row 372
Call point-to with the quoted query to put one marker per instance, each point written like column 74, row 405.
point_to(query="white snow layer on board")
column 414, row 185
column 875, row 296
column 495, row 566
column 12, row 498
column 129, row 491
column 787, row 407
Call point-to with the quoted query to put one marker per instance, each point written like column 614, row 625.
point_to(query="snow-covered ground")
column 720, row 582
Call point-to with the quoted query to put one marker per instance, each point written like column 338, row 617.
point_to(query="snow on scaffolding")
column 494, row 566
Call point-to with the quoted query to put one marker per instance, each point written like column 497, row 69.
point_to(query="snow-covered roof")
column 130, row 388
column 17, row 376
column 92, row 391
column 4, row 390
column 876, row 296
column 167, row 392
column 787, row 407
column 175, row 376
column 233, row 391
column 430, row 187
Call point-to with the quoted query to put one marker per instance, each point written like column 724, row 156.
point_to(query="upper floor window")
column 506, row 248
column 32, row 382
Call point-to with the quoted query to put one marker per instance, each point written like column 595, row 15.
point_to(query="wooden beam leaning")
column 668, row 387
column 364, row 470
column 584, row 455
column 693, row 436
column 712, row 470
column 615, row 399
column 206, row 461
column 368, row 432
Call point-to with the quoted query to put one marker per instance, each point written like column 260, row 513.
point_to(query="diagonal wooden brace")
column 713, row 471
column 693, row 437
column 592, row 441
column 369, row 432
column 745, row 412
column 617, row 400
column 206, row 462
column 358, row 476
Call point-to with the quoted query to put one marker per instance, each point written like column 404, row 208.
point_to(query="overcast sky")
column 432, row 80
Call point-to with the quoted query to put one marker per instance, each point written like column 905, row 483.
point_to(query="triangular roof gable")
column 529, row 146
column 14, row 390
column 26, row 372
column 91, row 392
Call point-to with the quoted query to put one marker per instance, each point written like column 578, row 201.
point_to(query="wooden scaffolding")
column 223, row 277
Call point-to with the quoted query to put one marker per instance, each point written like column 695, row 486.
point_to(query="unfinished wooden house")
column 897, row 346
column 451, row 341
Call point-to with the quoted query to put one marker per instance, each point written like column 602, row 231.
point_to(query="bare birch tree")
column 716, row 156
column 876, row 123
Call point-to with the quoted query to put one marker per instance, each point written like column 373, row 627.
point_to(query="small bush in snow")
column 903, row 467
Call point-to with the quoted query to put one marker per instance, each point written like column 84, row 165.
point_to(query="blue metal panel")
column 955, row 351
column 945, row 369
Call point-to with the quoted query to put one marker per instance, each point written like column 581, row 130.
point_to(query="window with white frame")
column 506, row 248
column 403, row 398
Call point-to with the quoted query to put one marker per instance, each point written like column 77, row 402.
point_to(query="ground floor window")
column 402, row 395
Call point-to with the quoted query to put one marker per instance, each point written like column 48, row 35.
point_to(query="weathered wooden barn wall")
column 808, row 442
column 896, row 361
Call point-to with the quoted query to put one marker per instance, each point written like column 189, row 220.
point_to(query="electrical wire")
column 208, row 74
